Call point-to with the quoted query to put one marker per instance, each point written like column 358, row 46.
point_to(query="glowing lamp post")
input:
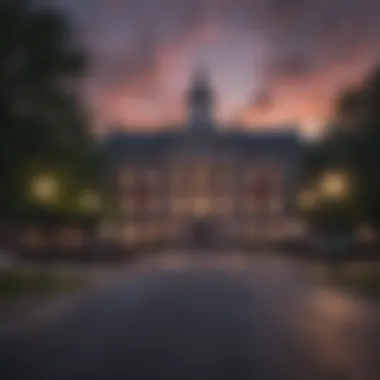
column 334, row 186
column 90, row 201
column 307, row 200
column 44, row 189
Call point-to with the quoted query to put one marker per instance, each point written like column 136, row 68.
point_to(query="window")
column 129, row 234
column 223, row 181
column 201, row 206
column 177, row 178
column 178, row 206
column 276, row 205
column 127, row 179
column 202, row 176
column 152, row 177
column 33, row 238
column 149, row 233
column 172, row 230
column 250, row 174
column 250, row 205
column 224, row 205
column 153, row 205
column 128, row 205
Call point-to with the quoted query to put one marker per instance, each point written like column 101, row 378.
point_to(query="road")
column 202, row 317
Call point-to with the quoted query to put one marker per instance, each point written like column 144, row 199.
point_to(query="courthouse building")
column 201, row 183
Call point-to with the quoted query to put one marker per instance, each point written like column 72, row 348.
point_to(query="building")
column 203, row 184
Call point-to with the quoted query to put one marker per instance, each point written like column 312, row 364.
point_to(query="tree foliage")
column 353, row 143
column 42, row 121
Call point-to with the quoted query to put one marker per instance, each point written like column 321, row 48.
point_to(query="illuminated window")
column 70, row 238
column 176, row 177
column 173, row 230
column 229, row 230
column 107, row 231
column 222, row 179
column 127, row 179
column 152, row 177
column 276, row 205
column 129, row 234
column 251, row 205
column 177, row 172
column 153, row 205
column 178, row 180
column 128, row 206
column 202, row 175
column 279, row 231
column 160, row 231
column 365, row 233
column 178, row 205
column 33, row 238
column 202, row 206
column 224, row 205
column 250, row 174
column 150, row 232
column 251, row 232
column 295, row 227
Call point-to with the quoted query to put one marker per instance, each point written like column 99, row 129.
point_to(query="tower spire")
column 200, row 102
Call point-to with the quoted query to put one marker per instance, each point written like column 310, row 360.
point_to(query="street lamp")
column 307, row 200
column 90, row 201
column 44, row 189
column 334, row 186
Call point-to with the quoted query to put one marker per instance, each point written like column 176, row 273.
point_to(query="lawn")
column 364, row 283
column 19, row 284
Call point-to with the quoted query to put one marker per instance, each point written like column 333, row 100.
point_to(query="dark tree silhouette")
column 41, row 119
column 353, row 143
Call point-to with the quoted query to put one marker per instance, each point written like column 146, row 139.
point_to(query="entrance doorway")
column 202, row 233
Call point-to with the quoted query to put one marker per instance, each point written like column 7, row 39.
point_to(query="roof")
column 122, row 145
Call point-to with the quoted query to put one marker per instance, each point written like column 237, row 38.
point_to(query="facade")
column 201, row 184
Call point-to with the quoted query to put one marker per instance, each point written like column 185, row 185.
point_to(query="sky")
column 271, row 62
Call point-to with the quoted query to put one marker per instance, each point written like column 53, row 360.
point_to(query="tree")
column 350, row 109
column 41, row 118
column 354, row 145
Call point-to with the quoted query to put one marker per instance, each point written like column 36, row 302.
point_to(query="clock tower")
column 200, row 104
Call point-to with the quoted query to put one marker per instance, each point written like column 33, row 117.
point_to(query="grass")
column 364, row 283
column 18, row 284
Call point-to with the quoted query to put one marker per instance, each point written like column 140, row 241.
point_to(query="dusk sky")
column 270, row 61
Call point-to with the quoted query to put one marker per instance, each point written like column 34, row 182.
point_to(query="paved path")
column 202, row 317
